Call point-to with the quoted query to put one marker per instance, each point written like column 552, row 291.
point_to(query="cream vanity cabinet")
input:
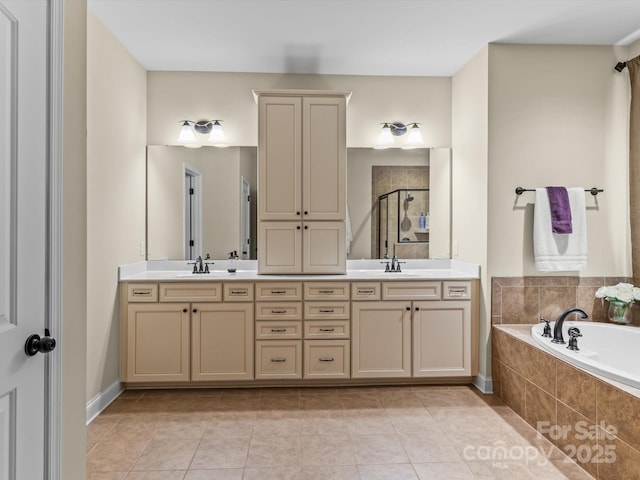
column 181, row 332
column 327, row 330
column 301, row 181
column 278, row 330
column 418, row 329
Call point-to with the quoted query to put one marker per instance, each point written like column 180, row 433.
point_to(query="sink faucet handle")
column 398, row 266
column 386, row 268
column 574, row 333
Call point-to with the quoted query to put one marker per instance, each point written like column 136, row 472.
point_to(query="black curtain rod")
column 620, row 66
column 593, row 191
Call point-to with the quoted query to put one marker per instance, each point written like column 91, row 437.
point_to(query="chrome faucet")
column 557, row 328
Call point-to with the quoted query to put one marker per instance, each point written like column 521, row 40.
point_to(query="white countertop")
column 178, row 270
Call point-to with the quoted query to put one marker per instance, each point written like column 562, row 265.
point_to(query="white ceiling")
column 358, row 37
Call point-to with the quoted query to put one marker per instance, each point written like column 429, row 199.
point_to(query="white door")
column 23, row 235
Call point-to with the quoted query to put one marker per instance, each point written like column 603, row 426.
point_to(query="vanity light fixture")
column 397, row 129
column 213, row 128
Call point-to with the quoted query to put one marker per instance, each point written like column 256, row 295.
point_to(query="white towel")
column 560, row 252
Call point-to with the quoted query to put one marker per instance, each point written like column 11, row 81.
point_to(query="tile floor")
column 406, row 432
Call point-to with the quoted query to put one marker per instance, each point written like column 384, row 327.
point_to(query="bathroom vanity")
column 367, row 326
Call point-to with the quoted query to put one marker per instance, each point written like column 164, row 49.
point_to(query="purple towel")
column 560, row 210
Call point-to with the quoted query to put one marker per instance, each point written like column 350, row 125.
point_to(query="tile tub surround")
column 403, row 432
column 526, row 299
column 568, row 405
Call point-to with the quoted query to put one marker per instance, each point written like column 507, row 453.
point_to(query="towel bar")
column 593, row 191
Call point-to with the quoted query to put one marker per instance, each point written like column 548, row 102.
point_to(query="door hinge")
column 191, row 191
column 191, row 243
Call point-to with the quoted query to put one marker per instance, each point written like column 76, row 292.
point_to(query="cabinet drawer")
column 326, row 310
column 280, row 311
column 411, row 290
column 456, row 290
column 275, row 330
column 323, row 329
column 326, row 291
column 278, row 359
column 191, row 292
column 365, row 290
column 326, row 359
column 278, row 291
column 238, row 292
column 142, row 292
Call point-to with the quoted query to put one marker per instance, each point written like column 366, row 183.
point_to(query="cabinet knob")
column 417, row 309
column 306, row 213
column 298, row 227
column 297, row 213
column 306, row 227
column 408, row 309
column 195, row 310
column 184, row 310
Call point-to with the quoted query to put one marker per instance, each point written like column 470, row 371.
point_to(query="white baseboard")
column 484, row 384
column 102, row 400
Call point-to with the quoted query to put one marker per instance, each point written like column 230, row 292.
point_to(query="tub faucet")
column 557, row 328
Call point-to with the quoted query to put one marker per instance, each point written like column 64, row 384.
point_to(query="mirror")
column 199, row 196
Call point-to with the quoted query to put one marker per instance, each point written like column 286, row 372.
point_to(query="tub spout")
column 557, row 328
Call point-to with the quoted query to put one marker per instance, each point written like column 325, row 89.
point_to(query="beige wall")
column 469, row 167
column 557, row 116
column 74, row 267
column 633, row 51
column 116, row 138
column 174, row 96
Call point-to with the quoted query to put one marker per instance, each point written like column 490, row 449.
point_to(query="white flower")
column 622, row 292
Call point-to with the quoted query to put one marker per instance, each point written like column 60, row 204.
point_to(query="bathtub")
column 612, row 351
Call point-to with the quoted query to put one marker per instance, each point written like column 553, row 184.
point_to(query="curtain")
column 634, row 166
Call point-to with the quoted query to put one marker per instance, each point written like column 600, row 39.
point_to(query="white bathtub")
column 612, row 351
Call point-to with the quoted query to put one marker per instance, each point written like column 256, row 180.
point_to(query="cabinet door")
column 442, row 339
column 324, row 153
column 157, row 343
column 324, row 247
column 279, row 158
column 381, row 339
column 222, row 341
column 280, row 247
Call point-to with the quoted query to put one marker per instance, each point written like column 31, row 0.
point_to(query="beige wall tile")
column 620, row 410
column 540, row 369
column 577, row 390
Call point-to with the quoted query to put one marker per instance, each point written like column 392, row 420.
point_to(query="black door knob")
column 35, row 343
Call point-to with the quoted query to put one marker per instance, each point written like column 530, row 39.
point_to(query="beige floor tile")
column 106, row 475
column 329, row 472
column 428, row 447
column 369, row 425
column 215, row 453
column 448, row 471
column 279, row 427
column 274, row 451
column 378, row 449
column 182, row 426
column 115, row 455
column 230, row 427
column 216, row 474
column 413, row 423
column 387, row 472
column 167, row 454
column 324, row 426
column 503, row 470
column 467, row 419
column 166, row 475
column 326, row 450
column 272, row 473
column 558, row 469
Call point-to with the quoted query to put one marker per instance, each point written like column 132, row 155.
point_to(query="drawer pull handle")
column 366, row 291
column 278, row 360
column 139, row 293
column 238, row 292
column 278, row 330
column 278, row 312
column 327, row 329
column 278, row 292
column 327, row 311
column 457, row 292
column 327, row 359
column 325, row 291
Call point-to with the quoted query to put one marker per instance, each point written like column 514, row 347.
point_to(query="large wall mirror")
column 203, row 201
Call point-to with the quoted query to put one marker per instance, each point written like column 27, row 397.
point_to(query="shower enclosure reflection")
column 403, row 223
